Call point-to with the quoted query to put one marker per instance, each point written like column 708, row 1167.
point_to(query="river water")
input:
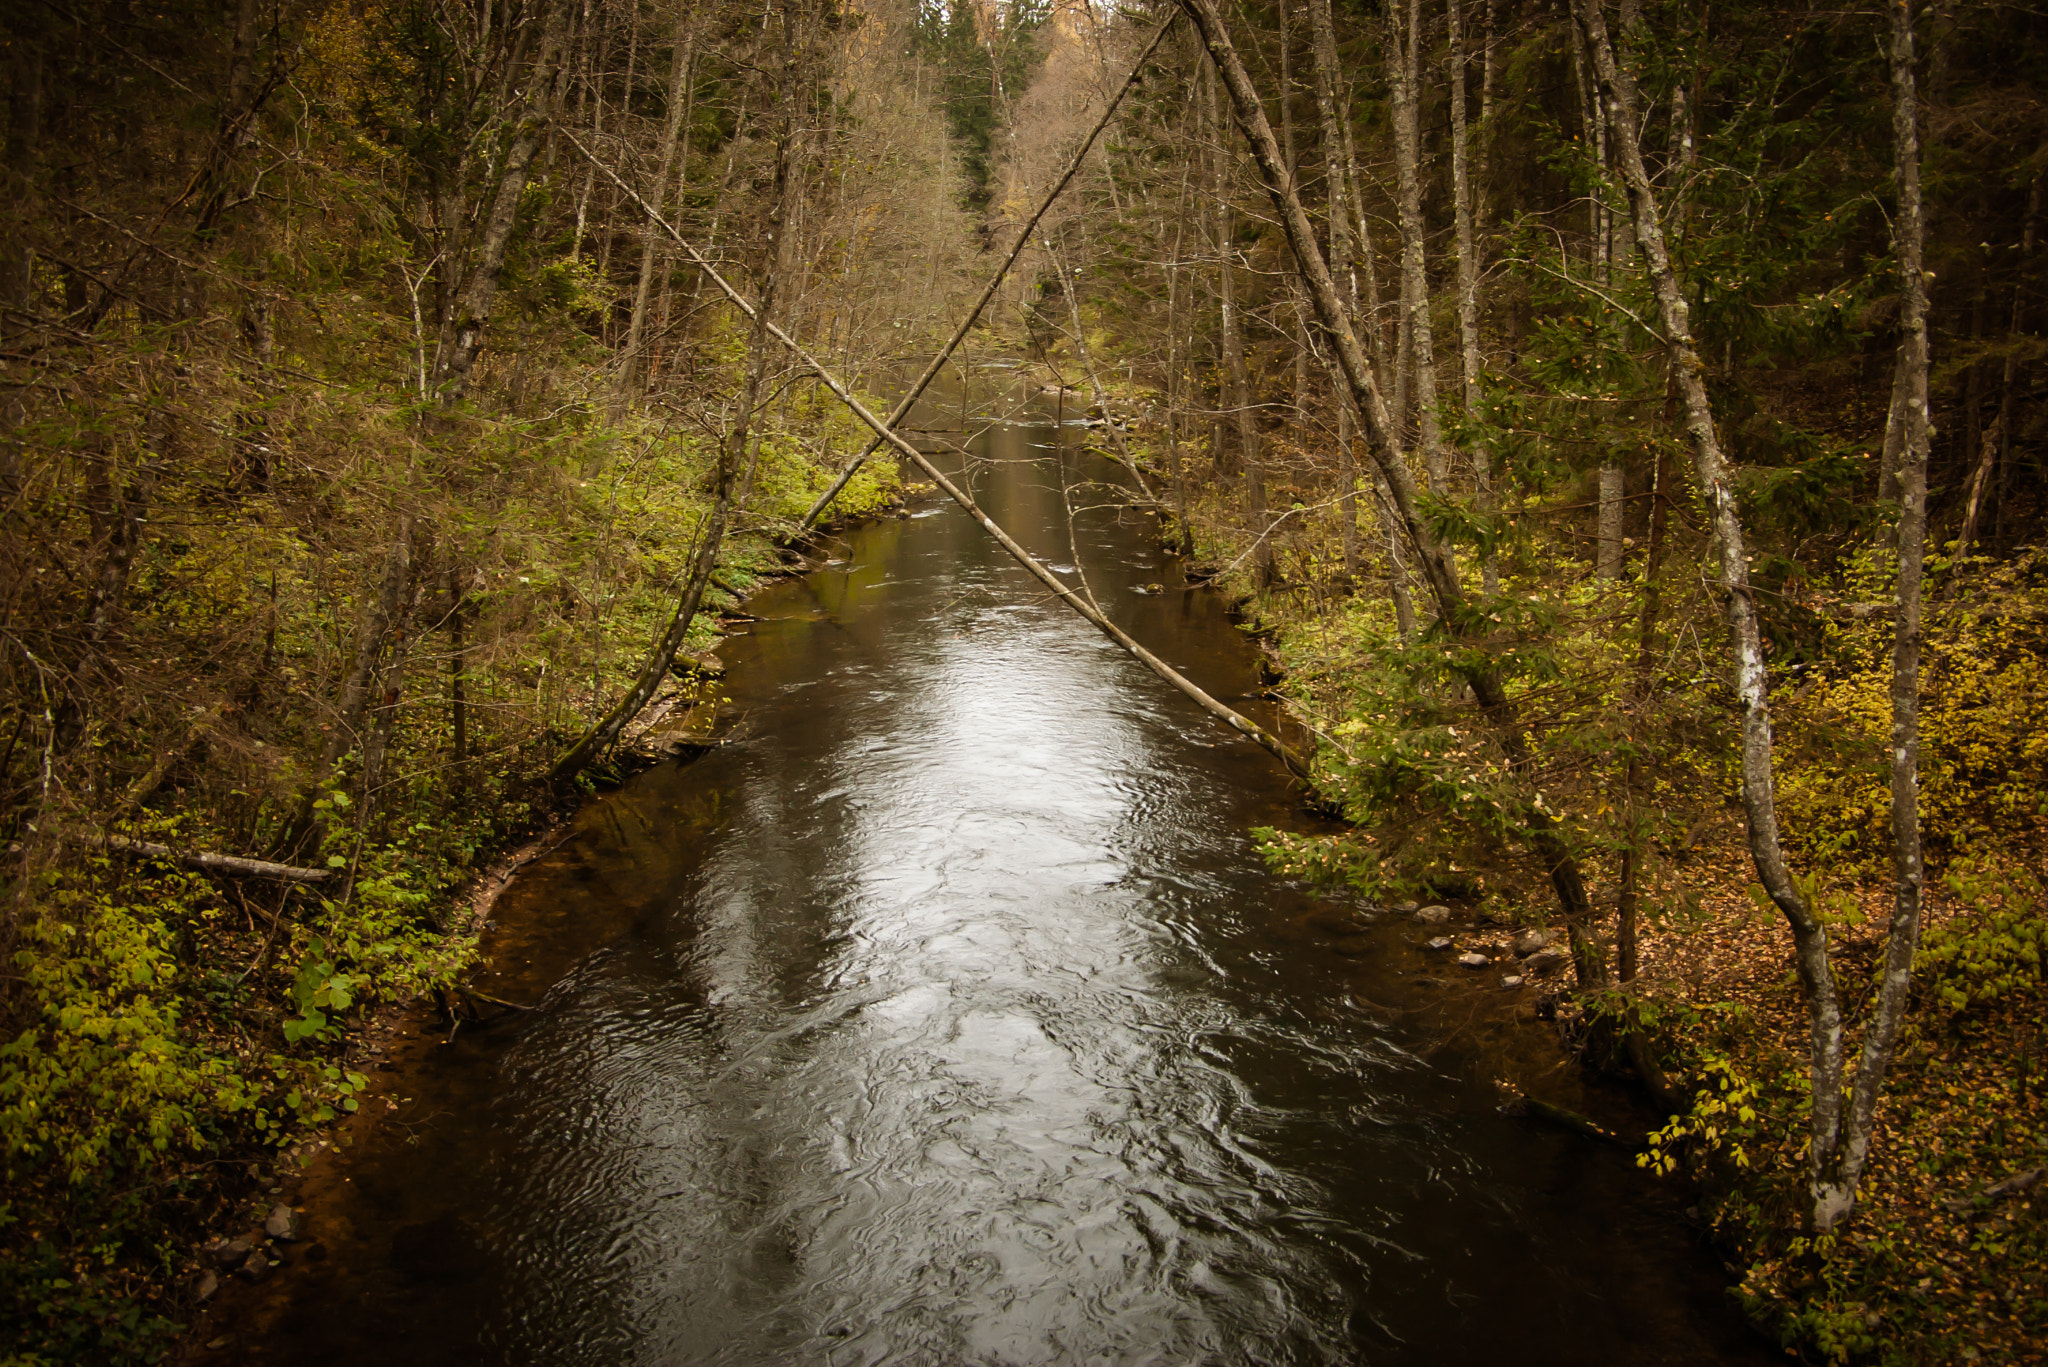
column 948, row 1016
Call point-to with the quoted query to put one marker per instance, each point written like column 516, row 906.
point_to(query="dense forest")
column 1624, row 425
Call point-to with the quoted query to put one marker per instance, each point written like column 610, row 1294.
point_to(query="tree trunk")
column 1339, row 227
column 1404, row 69
column 1840, row 1177
column 1998, row 445
column 1717, row 491
column 1238, row 396
column 1600, row 263
column 462, row 338
column 1464, row 204
column 1439, row 571
column 682, row 93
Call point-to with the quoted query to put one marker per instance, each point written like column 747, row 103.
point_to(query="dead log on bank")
column 201, row 861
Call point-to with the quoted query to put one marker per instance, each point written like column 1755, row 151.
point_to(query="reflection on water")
column 949, row 1018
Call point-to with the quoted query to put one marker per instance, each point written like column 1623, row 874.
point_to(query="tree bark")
column 1404, row 66
column 1464, row 204
column 1717, row 491
column 1324, row 32
column 1840, row 1178
column 1238, row 394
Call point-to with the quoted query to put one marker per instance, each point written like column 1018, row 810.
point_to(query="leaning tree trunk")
column 1438, row 569
column 1717, row 490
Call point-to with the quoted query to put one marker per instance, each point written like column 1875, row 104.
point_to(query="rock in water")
column 1514, row 980
column 1440, row 942
column 1434, row 916
column 230, row 1252
column 1545, row 961
column 1529, row 941
column 1474, row 960
column 283, row 1223
column 208, row 1288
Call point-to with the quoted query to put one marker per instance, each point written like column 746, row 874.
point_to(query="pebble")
column 1440, row 942
column 1512, row 980
column 284, row 1223
column 1474, row 960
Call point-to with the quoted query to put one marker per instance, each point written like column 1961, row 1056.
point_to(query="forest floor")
column 1946, row 1256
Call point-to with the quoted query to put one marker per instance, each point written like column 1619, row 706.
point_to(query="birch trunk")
column 1339, row 225
column 1717, row 492
column 1839, row 1180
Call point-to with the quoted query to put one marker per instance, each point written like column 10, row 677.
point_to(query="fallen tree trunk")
column 911, row 396
column 1242, row 724
column 200, row 861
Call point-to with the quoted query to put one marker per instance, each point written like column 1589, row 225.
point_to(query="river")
column 948, row 1016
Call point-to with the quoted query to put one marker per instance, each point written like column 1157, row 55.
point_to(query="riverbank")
column 184, row 1039
column 1946, row 1258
